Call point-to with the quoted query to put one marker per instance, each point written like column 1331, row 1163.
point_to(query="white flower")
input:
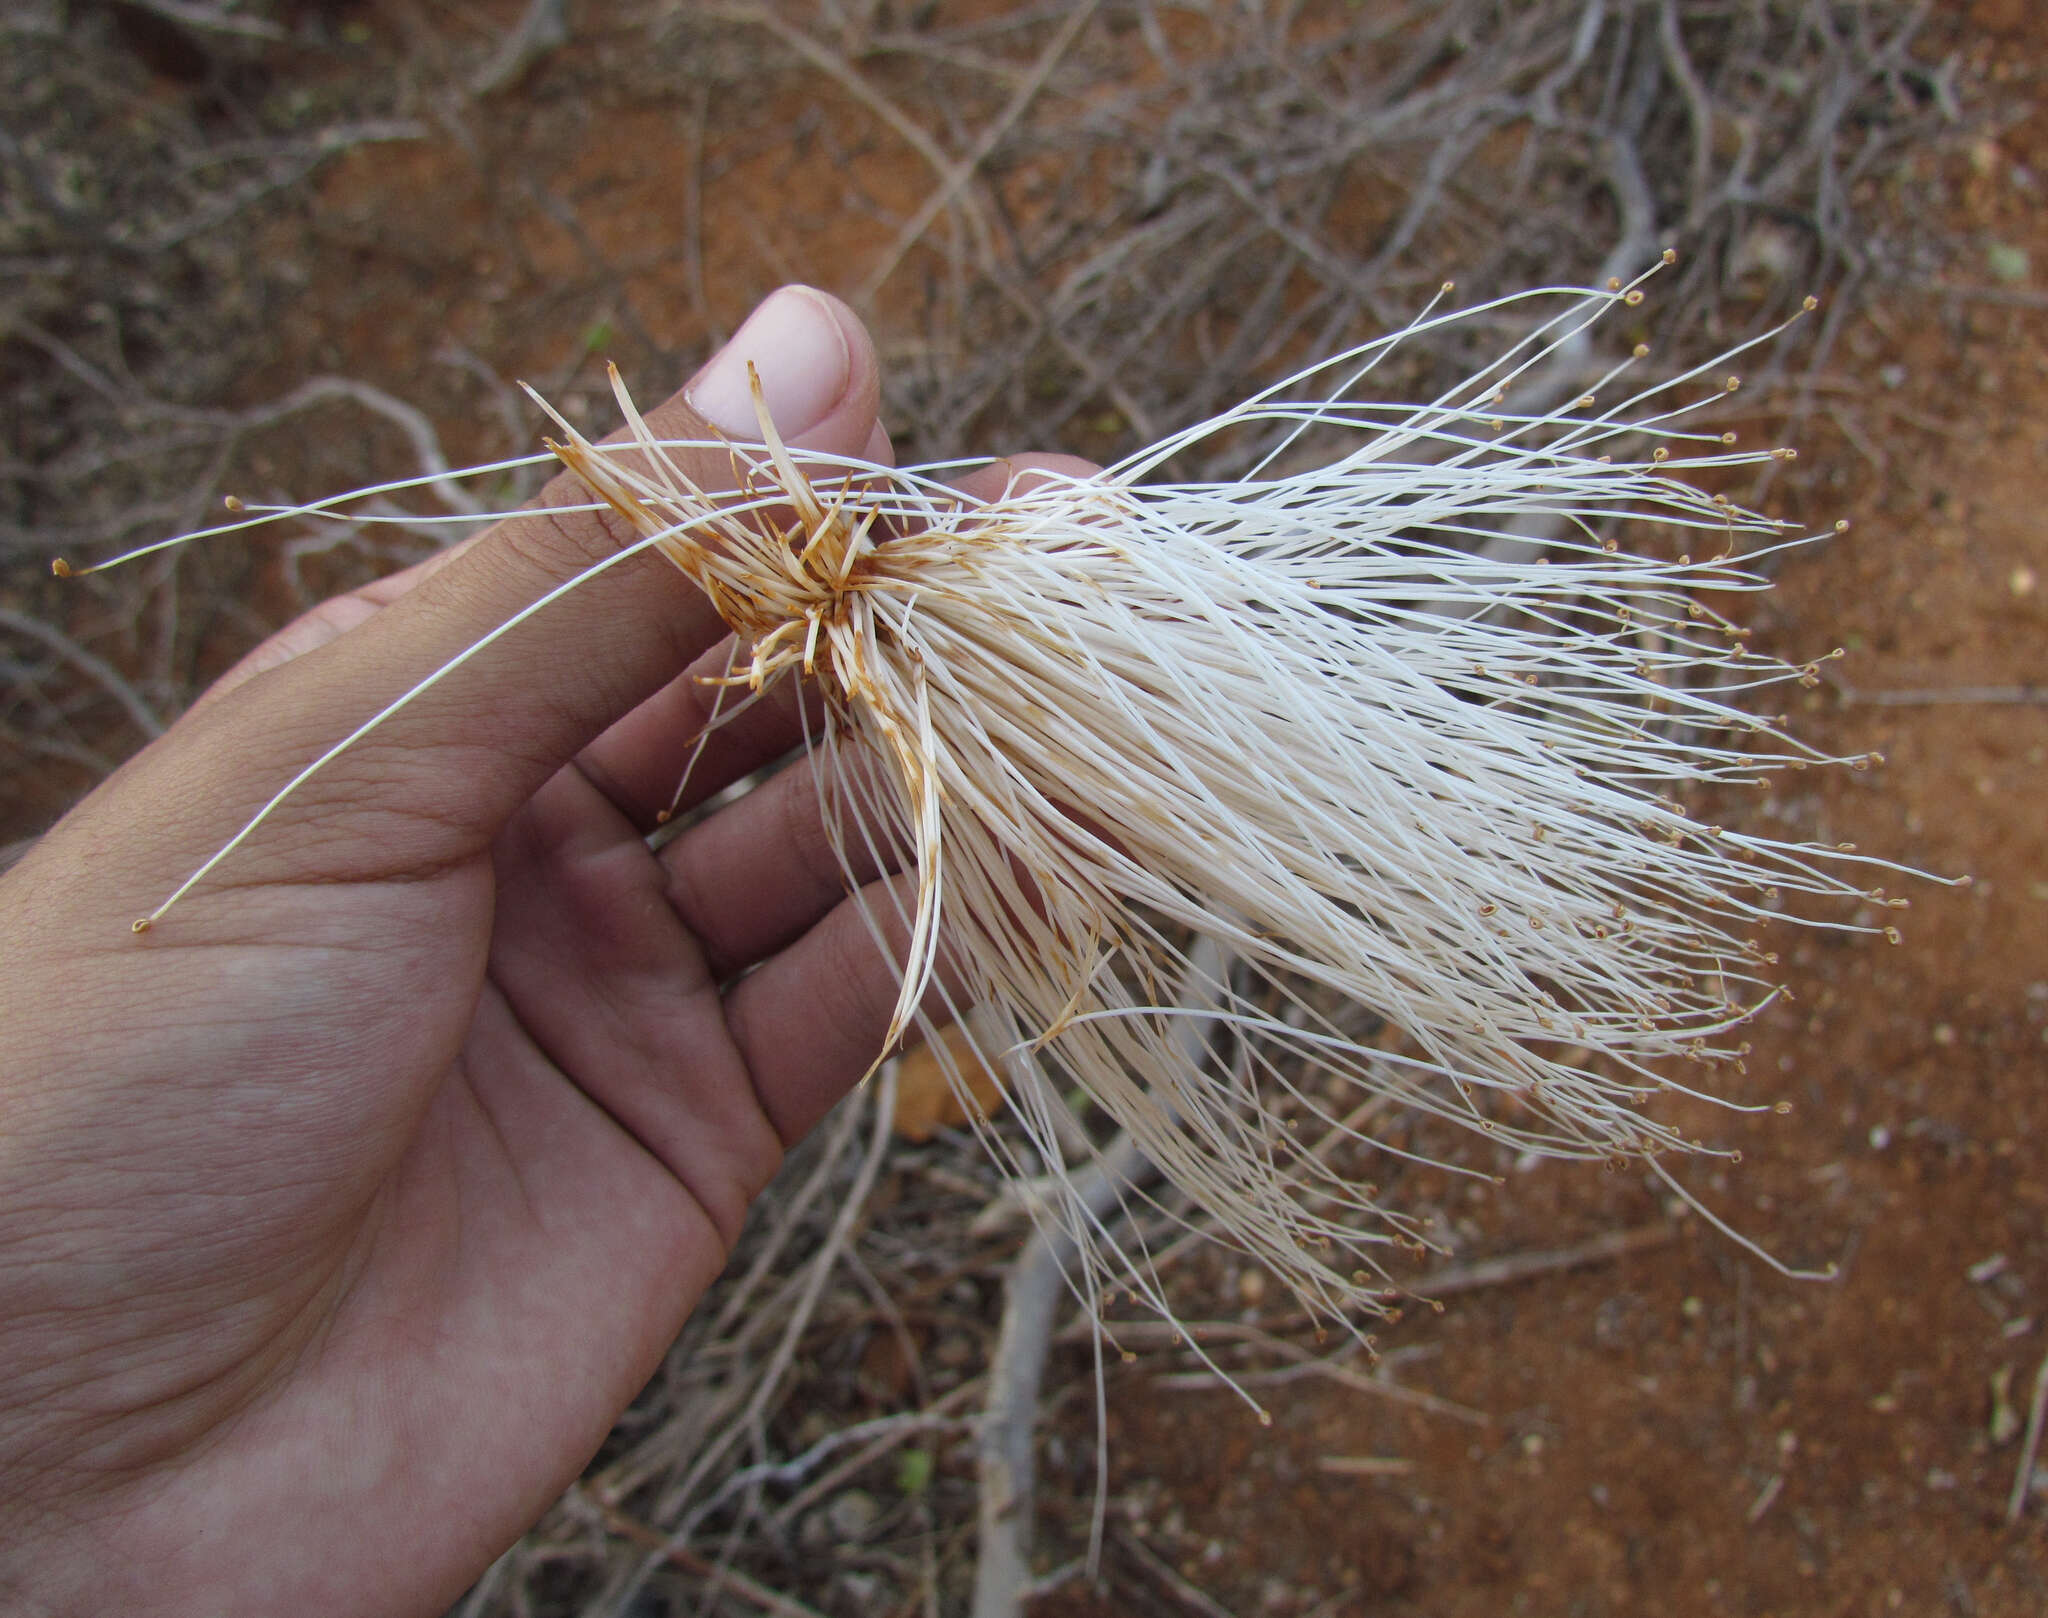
column 1419, row 778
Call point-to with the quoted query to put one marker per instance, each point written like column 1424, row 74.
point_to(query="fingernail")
column 797, row 347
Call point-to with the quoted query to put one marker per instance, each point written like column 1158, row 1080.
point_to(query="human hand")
column 342, row 1213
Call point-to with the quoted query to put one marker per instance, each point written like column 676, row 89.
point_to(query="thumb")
column 433, row 783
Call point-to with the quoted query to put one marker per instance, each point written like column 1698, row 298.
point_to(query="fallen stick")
column 1306, row 1364
column 1942, row 695
column 2023, row 1475
column 1514, row 1267
column 1188, row 1594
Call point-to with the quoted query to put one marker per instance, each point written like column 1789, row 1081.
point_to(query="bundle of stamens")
column 1405, row 736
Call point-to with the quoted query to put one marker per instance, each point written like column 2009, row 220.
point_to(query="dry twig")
column 1512, row 1268
column 2030, row 1447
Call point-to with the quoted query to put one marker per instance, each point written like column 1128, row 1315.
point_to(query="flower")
column 1373, row 771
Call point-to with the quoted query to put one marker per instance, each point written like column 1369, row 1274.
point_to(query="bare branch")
column 97, row 669
column 541, row 30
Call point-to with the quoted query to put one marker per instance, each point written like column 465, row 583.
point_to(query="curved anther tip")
column 141, row 924
column 60, row 567
column 664, row 817
column 234, row 502
column 1670, row 255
